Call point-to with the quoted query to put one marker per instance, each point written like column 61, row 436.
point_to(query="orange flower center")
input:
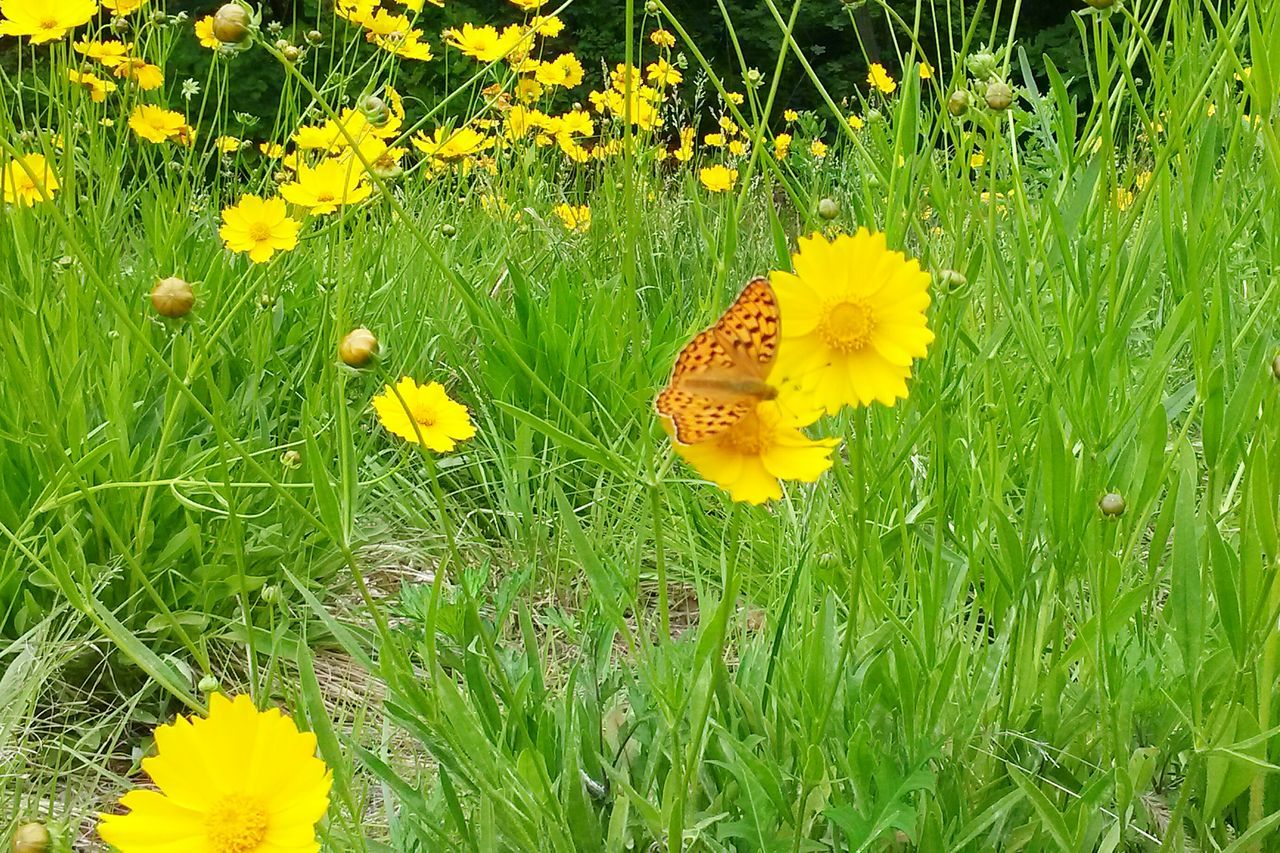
column 236, row 824
column 425, row 415
column 50, row 24
column 325, row 196
column 847, row 326
column 749, row 437
column 259, row 232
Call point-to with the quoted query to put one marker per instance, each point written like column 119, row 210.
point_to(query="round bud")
column 231, row 23
column 291, row 54
column 754, row 78
column 1112, row 505
column 32, row 838
column 281, row 44
column 266, row 300
column 958, row 103
column 375, row 110
column 159, row 17
column 828, row 208
column 358, row 347
column 651, row 8
column 874, row 115
column 952, row 279
column 172, row 297
column 291, row 459
column 448, row 230
column 1275, row 367
column 315, row 37
column 120, row 25
column 209, row 684
column 999, row 95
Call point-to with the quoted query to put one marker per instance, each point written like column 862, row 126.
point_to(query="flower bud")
column 159, row 17
column 981, row 64
column 291, row 54
column 375, row 110
column 172, row 297
column 231, row 24
column 958, row 103
column 1275, row 367
column 651, row 8
column 120, row 25
column 754, row 78
column 952, row 279
column 315, row 37
column 271, row 593
column 32, row 838
column 358, row 347
column 1112, row 505
column 828, row 209
column 448, row 230
column 209, row 684
column 999, row 95
column 281, row 44
column 291, row 459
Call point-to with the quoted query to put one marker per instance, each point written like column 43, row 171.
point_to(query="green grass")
column 557, row 638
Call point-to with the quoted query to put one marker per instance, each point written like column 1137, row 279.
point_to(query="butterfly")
column 721, row 375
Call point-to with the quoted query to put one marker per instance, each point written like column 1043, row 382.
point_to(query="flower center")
column 425, row 416
column 748, row 437
column 50, row 24
column 847, row 327
column 325, row 196
column 259, row 232
column 236, row 824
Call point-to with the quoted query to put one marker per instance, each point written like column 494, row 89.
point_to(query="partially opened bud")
column 32, row 838
column 232, row 24
column 375, row 110
column 358, row 347
column 172, row 297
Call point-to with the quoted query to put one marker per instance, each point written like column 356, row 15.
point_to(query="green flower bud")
column 232, row 24
column 1112, row 505
column 32, row 838
column 999, row 95
column 828, row 209
column 172, row 297
column 209, row 684
column 958, row 103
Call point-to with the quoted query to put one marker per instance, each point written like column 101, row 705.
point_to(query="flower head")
column 423, row 414
column 237, row 781
column 44, row 20
column 96, row 87
column 574, row 217
column 108, row 54
column 750, row 458
column 28, row 180
column 878, row 78
column 326, row 187
column 258, row 227
column 485, row 43
column 204, row 33
column 123, row 8
column 855, row 320
column 662, row 38
column 717, row 178
column 156, row 124
column 565, row 70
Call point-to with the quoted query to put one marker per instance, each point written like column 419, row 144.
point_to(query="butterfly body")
column 722, row 374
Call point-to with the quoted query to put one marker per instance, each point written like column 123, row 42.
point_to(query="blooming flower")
column 717, row 178
column 574, row 217
column 790, row 115
column 327, row 186
column 855, row 320
column 258, row 227
column 484, row 44
column 156, row 124
column 818, row 148
column 44, row 20
column 782, row 146
column 663, row 73
column 204, row 33
column 548, row 26
column 239, row 780
column 926, row 71
column 123, row 8
column 146, row 75
column 529, row 5
column 750, row 458
column 565, row 70
column 20, row 187
column 108, row 54
column 95, row 86
column 423, row 414
column 662, row 38
column 856, row 121
column 878, row 78
column 451, row 145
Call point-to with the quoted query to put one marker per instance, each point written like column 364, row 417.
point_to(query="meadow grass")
column 557, row 637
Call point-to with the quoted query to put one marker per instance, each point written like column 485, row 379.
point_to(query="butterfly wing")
column 742, row 343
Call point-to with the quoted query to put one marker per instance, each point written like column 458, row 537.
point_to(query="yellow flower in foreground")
column 782, row 146
column 258, row 227
column 146, row 75
column 156, row 124
column 748, row 459
column 423, row 414
column 451, row 145
column 529, row 5
column 565, row 70
column 95, row 86
column 717, row 178
column 855, row 320
column 485, row 43
column 324, row 188
column 574, row 217
column 878, row 78
column 44, row 20
column 237, row 781
column 21, row 188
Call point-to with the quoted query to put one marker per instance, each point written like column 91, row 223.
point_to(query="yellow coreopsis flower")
column 818, row 148
column 714, row 140
column 718, row 178
column 238, row 779
column 44, row 20
column 574, row 217
column 326, row 187
column 663, row 73
column 259, row 227
column 565, row 70
column 95, row 86
column 451, row 145
column 856, row 121
column 750, row 458
column 548, row 26
column 423, row 414
column 484, row 44
column 123, row 8
column 156, row 124
column 406, row 46
column 529, row 5
column 662, row 38
column 228, row 144
column 880, row 80
column 977, row 160
column 782, row 146
column 108, row 54
column 738, row 147
column 204, row 33
column 926, row 71
column 141, row 72
column 855, row 320
column 684, row 153
column 27, row 180
column 790, row 115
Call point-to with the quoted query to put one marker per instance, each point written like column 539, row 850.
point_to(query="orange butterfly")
column 721, row 375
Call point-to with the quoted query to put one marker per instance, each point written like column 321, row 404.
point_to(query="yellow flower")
column 446, row 145
column 790, row 115
column 855, row 320
column 715, row 140
column 663, row 73
column 529, row 5
column 717, row 178
column 326, row 187
column 204, row 33
column 97, row 88
column 565, row 70
column 238, row 780
column 926, row 71
column 662, row 38
column 856, row 122
column 122, row 8
column 575, row 218
column 818, row 148
column 1124, row 198
column 408, row 45
column 977, row 160
column 548, row 26
column 782, row 146
column 19, row 185
column 227, row 144
column 878, row 78
column 258, row 227
column 108, row 54
column 685, row 152
column 734, row 98
column 146, row 75
column 485, row 44
column 738, row 148
column 423, row 414
column 156, row 124
column 44, row 20
column 748, row 459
